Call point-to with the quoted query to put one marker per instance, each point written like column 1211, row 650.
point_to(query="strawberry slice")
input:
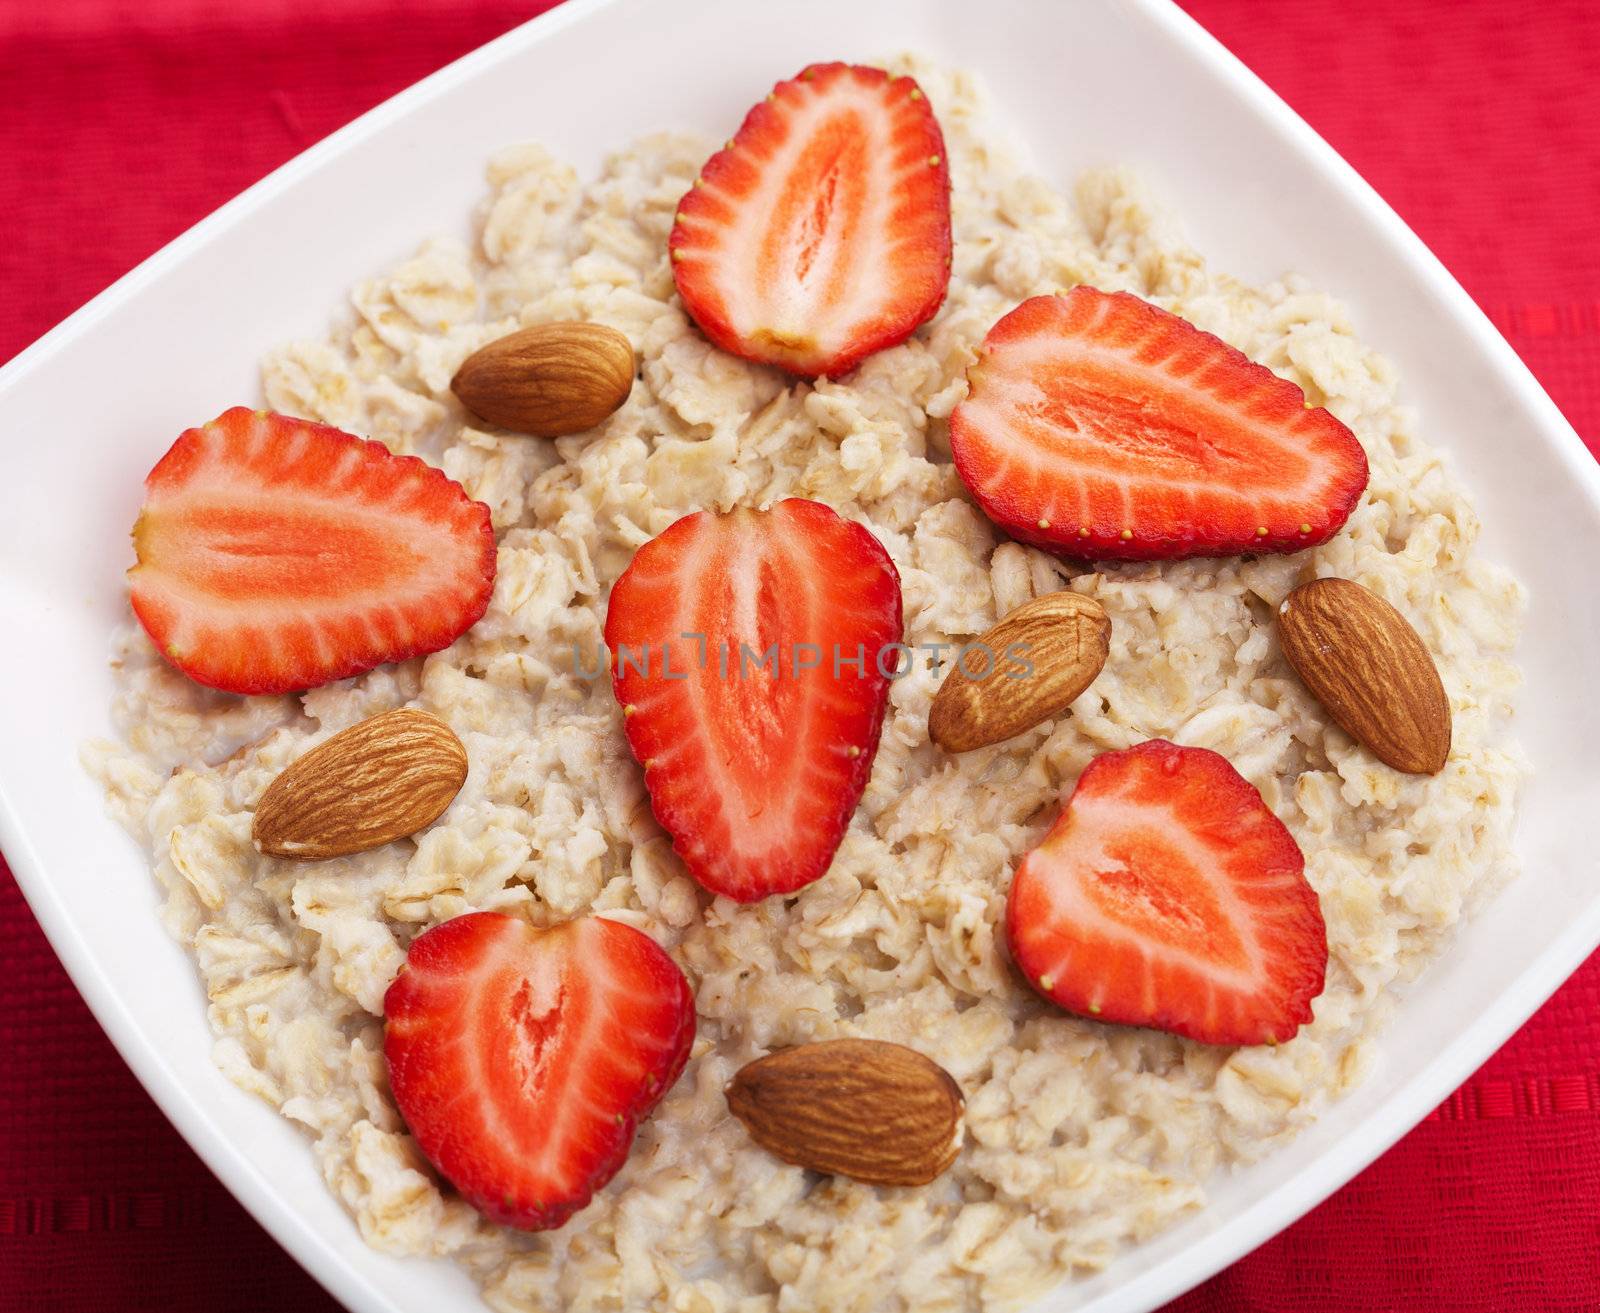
column 821, row 232
column 1167, row 895
column 523, row 1059
column 1101, row 426
column 751, row 654
column 276, row 554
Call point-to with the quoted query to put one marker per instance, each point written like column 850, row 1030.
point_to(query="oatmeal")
column 1080, row 1138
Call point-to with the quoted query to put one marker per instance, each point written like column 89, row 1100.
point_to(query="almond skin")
column 1371, row 672
column 549, row 380
column 861, row 1108
column 371, row 784
column 1064, row 637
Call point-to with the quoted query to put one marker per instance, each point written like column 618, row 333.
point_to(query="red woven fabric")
column 122, row 122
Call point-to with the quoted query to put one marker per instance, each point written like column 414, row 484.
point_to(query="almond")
column 549, row 380
column 861, row 1108
column 1371, row 672
column 371, row 784
column 1025, row 670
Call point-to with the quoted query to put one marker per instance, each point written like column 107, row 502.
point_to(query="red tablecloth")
column 124, row 121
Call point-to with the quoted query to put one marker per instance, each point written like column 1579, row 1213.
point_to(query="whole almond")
column 371, row 784
column 861, row 1108
column 1371, row 672
column 549, row 380
column 1025, row 670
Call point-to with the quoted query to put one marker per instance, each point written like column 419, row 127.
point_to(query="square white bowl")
column 89, row 408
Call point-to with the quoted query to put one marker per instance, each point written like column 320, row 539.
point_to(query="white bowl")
column 88, row 409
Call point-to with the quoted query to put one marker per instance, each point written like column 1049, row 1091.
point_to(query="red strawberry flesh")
column 821, row 232
column 1168, row 895
column 1104, row 427
column 765, row 636
column 524, row 1059
column 278, row 554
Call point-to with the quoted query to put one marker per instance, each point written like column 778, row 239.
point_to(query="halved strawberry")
column 523, row 1059
column 1168, row 895
column 821, row 232
column 751, row 654
column 277, row 554
column 1106, row 428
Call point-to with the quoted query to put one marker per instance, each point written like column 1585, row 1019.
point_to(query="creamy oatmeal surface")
column 1081, row 1137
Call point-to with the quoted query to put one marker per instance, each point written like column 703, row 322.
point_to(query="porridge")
column 1079, row 1137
